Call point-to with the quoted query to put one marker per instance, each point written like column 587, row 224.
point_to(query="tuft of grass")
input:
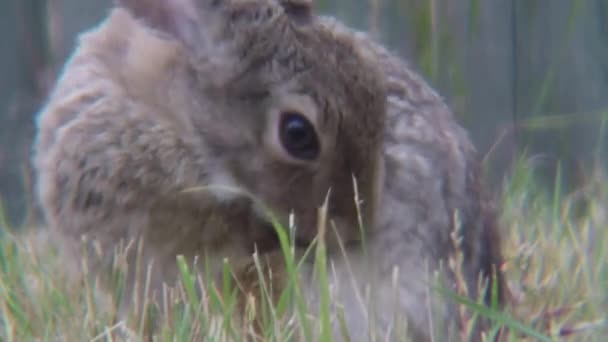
column 557, row 254
column 555, row 244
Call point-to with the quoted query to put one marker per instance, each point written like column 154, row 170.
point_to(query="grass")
column 557, row 252
column 556, row 248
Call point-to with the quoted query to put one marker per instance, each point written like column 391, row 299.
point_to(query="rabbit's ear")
column 178, row 18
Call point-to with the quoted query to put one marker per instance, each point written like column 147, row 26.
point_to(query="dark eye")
column 298, row 136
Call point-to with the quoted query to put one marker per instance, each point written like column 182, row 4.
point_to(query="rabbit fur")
column 431, row 189
column 163, row 127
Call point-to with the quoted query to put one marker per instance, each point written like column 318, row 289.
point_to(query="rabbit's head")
column 288, row 111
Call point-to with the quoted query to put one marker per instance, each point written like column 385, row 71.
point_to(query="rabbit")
column 178, row 123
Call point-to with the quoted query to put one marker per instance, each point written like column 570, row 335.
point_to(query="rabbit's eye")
column 298, row 136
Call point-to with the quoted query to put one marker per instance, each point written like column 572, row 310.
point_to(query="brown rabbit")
column 260, row 99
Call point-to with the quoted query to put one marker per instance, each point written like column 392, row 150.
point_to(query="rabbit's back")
column 432, row 205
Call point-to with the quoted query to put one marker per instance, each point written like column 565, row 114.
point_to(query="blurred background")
column 525, row 77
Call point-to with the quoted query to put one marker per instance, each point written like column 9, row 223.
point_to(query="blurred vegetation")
column 521, row 75
column 555, row 247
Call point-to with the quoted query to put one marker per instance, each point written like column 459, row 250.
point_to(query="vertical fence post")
column 29, row 77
